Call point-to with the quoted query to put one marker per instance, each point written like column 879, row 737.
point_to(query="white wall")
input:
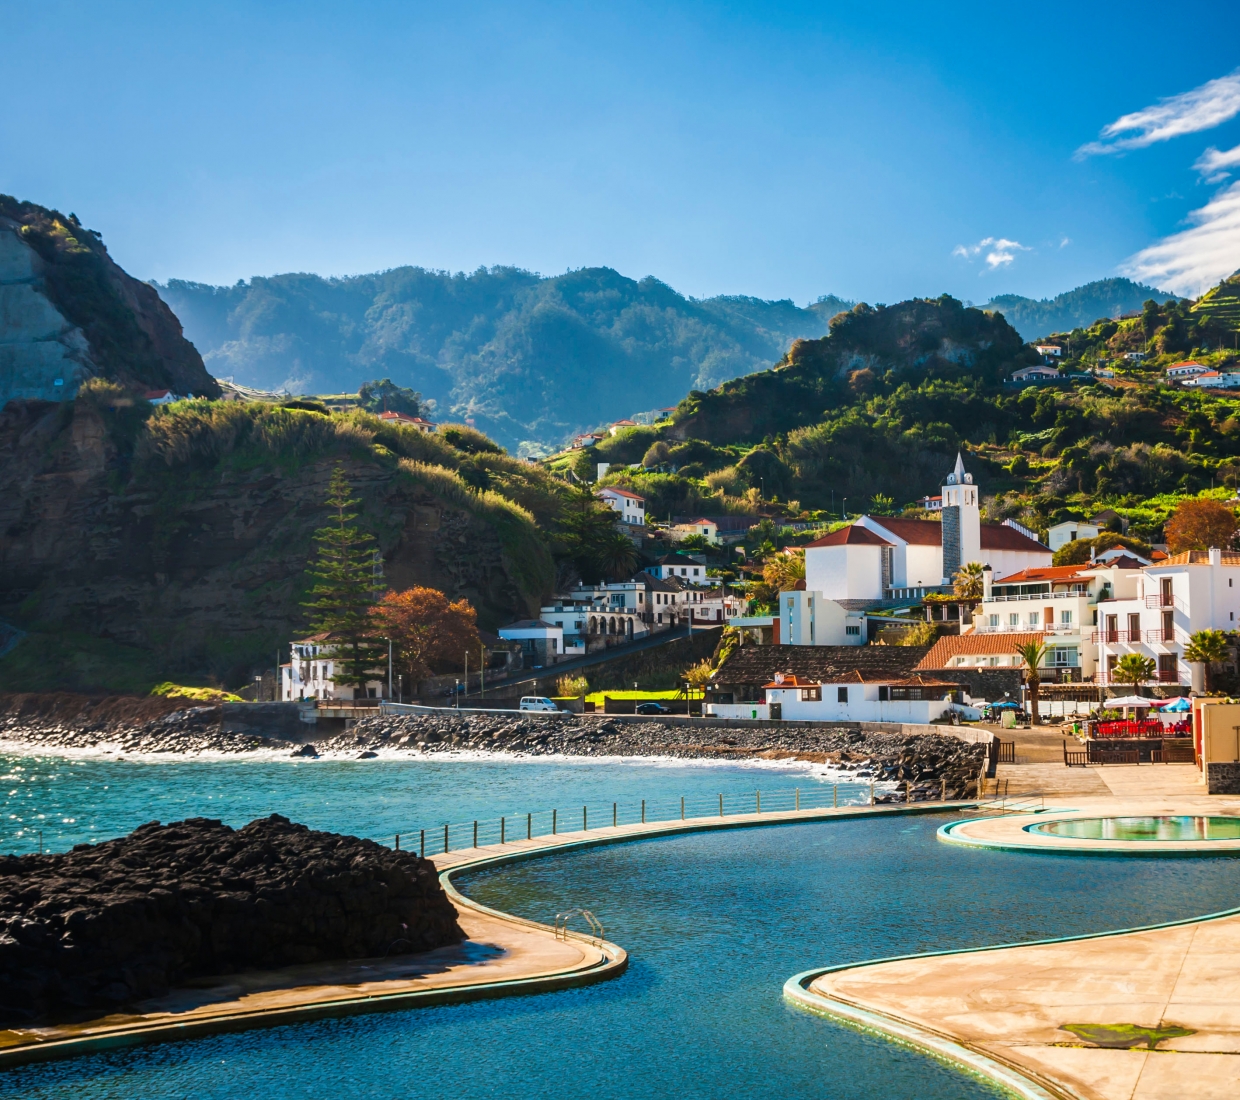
column 845, row 572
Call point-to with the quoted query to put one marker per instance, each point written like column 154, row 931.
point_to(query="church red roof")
column 853, row 535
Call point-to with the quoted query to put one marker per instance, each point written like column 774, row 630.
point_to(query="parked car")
column 650, row 707
column 537, row 702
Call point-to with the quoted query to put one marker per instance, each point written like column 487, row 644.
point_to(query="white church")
column 888, row 558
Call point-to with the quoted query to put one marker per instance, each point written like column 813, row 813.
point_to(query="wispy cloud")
column 1193, row 260
column 997, row 251
column 1203, row 108
column 1216, row 165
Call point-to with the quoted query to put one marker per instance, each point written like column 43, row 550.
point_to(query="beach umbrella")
column 1130, row 701
column 1176, row 706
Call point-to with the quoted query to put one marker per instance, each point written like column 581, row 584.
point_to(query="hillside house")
column 1214, row 380
column 707, row 528
column 1048, row 351
column 1069, row 531
column 161, row 397
column 1177, row 372
column 931, row 504
column 677, row 565
column 404, row 420
column 542, row 643
column 1032, row 375
column 629, row 505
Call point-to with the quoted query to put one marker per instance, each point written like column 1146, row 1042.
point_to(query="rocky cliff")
column 105, row 925
column 138, row 545
column 69, row 313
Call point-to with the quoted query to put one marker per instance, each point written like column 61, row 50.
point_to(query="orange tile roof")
column 1199, row 557
column 793, row 682
column 987, row 645
column 1045, row 573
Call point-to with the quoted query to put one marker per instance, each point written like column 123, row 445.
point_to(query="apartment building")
column 1174, row 598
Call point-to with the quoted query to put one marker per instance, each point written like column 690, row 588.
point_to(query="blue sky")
column 871, row 150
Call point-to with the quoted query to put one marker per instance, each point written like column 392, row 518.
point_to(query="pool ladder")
column 596, row 926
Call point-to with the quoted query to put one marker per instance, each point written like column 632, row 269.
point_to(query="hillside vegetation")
column 529, row 359
column 875, row 412
column 1034, row 318
column 143, row 544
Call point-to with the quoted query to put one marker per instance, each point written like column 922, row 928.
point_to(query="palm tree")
column 968, row 582
column 1133, row 669
column 1033, row 654
column 1208, row 647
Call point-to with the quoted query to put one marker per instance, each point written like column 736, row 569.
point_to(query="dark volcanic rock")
column 108, row 924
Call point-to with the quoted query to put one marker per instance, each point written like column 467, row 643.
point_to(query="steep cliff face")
column 68, row 313
column 135, row 546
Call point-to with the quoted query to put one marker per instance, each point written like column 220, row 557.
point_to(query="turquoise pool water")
column 1144, row 828
column 715, row 923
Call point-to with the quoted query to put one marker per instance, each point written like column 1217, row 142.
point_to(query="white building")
column 810, row 618
column 161, row 397
column 909, row 699
column 1174, row 598
column 632, row 508
column 1055, row 605
column 1036, row 374
column 1214, row 380
column 707, row 528
column 1051, row 351
column 885, row 557
column 677, row 565
column 418, row 423
column 542, row 643
column 311, row 674
column 1069, row 531
column 1187, row 369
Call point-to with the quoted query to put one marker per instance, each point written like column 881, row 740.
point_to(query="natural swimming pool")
column 1166, row 828
column 715, row 923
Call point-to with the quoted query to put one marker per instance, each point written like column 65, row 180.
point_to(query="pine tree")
column 346, row 589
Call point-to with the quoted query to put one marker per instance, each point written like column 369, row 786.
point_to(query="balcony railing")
column 1115, row 637
column 1166, row 601
column 1162, row 676
column 1039, row 596
column 1162, row 636
column 1021, row 628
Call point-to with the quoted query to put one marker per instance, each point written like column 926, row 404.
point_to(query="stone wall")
column 1223, row 778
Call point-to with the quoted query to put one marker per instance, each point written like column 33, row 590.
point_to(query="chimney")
column 1216, row 556
column 988, row 581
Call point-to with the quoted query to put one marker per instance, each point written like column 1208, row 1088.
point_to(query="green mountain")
column 1035, row 318
column 527, row 358
column 874, row 413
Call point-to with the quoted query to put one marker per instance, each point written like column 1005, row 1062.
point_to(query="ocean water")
column 715, row 923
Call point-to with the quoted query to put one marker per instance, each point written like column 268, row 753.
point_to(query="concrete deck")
column 1001, row 1012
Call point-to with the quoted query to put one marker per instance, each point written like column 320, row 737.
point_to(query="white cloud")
column 1191, row 261
column 1203, row 108
column 1065, row 242
column 997, row 251
column 1216, row 165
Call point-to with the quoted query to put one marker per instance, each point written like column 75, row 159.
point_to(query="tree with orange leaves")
column 1200, row 524
column 428, row 633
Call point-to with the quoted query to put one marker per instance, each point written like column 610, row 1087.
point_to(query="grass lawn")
column 596, row 697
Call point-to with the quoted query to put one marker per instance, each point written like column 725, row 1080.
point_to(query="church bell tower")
column 962, row 521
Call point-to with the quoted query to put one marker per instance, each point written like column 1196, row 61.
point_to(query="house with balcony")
column 1055, row 605
column 850, row 698
column 1173, row 599
column 630, row 506
column 311, row 674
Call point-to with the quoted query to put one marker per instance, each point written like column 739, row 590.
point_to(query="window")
column 1065, row 618
column 811, row 695
column 994, row 620
column 1134, row 628
column 855, row 631
column 1014, row 619
column 1035, row 618
column 841, row 695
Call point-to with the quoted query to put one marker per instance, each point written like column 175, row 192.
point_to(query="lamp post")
column 844, row 509
column 389, row 642
column 457, row 693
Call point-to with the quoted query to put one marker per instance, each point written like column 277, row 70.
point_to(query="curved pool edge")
column 613, row 963
column 940, row 1047
column 1019, row 1080
column 1011, row 833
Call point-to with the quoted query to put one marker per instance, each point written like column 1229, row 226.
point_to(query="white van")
column 537, row 702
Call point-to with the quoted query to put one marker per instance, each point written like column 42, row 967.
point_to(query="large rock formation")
column 105, row 925
column 69, row 313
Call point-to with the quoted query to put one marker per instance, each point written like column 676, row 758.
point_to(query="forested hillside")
column 875, row 412
column 527, row 358
column 1034, row 318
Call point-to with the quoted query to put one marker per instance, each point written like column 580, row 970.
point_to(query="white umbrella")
column 1129, row 701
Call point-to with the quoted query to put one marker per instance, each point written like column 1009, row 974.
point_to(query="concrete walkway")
column 1144, row 1015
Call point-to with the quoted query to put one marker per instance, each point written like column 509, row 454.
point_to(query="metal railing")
column 1038, row 596
column 1167, row 601
column 512, row 828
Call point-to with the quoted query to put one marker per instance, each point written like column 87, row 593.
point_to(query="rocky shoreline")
column 929, row 764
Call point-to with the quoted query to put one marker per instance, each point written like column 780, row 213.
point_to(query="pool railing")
column 510, row 828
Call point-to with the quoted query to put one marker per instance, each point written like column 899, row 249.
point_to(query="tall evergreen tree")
column 346, row 590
